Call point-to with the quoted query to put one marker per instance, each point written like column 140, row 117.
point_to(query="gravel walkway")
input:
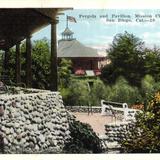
column 97, row 121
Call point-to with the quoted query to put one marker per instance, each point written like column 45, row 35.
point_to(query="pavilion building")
column 85, row 60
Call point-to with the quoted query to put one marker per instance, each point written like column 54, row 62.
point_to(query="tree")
column 127, row 59
column 40, row 64
column 64, row 72
column 152, row 63
column 146, row 137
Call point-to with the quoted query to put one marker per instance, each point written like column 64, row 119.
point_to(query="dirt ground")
column 96, row 120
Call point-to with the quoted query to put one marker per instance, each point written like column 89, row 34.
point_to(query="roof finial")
column 67, row 21
column 67, row 34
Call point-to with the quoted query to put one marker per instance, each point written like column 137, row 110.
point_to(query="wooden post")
column 29, row 62
column 6, row 63
column 54, row 74
column 18, row 64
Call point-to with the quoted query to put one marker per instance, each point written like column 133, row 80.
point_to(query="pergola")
column 19, row 24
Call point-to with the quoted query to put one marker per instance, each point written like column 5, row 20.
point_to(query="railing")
column 128, row 114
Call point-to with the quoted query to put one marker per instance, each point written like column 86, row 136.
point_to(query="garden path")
column 96, row 120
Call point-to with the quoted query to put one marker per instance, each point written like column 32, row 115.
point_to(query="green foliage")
column 98, row 92
column 77, row 93
column 41, row 64
column 126, row 55
column 1, row 61
column 147, row 83
column 109, row 74
column 64, row 72
column 152, row 63
column 147, row 88
column 83, row 139
column 123, row 92
column 12, row 64
column 147, row 139
column 65, row 92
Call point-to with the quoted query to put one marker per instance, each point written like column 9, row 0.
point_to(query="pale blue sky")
column 98, row 33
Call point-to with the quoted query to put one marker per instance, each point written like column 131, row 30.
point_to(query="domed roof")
column 67, row 31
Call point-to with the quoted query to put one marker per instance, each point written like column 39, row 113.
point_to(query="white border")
column 85, row 4
column 82, row 4
column 82, row 157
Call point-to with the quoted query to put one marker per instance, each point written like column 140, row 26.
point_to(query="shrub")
column 78, row 93
column 65, row 92
column 148, row 125
column 64, row 72
column 99, row 91
column 147, row 88
column 123, row 92
column 83, row 139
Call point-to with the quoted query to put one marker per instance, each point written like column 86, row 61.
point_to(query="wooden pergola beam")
column 29, row 62
column 18, row 63
column 54, row 72
column 6, row 62
column 16, row 23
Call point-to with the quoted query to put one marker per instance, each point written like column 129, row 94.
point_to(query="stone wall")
column 95, row 109
column 19, row 90
column 33, row 123
column 119, row 131
column 116, row 133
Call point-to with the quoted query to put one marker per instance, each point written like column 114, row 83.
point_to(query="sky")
column 97, row 32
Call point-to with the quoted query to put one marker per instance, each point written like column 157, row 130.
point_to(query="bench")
column 108, row 109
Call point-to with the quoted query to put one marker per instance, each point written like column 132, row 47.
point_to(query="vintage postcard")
column 79, row 78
